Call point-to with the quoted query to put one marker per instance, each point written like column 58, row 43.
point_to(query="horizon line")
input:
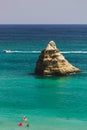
column 40, row 24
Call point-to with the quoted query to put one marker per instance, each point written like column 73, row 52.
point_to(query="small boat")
column 7, row 51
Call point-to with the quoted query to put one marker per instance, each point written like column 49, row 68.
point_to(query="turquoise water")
column 55, row 103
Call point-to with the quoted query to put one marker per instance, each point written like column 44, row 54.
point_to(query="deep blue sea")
column 49, row 103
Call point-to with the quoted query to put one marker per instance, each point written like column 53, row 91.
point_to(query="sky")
column 43, row 11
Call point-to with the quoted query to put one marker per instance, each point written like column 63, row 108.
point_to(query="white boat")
column 7, row 51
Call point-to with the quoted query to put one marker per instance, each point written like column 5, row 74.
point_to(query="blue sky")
column 43, row 11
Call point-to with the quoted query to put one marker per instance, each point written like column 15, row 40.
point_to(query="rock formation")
column 52, row 62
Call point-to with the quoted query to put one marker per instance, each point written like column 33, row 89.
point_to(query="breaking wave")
column 23, row 52
column 77, row 52
column 63, row 52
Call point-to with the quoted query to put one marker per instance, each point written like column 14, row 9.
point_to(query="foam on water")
column 74, row 52
column 37, row 52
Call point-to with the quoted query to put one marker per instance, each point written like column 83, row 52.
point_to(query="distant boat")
column 7, row 51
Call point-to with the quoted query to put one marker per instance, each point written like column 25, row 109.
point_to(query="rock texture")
column 52, row 62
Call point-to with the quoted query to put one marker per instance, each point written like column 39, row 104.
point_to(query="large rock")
column 52, row 62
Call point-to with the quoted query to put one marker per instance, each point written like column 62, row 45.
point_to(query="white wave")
column 25, row 51
column 63, row 52
column 77, row 52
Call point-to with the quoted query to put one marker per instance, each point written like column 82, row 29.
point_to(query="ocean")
column 49, row 103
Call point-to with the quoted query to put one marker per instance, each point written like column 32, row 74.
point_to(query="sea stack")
column 52, row 62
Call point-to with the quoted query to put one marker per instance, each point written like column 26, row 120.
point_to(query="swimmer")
column 27, row 125
column 20, row 124
column 24, row 118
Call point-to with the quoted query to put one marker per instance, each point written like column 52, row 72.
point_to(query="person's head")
column 27, row 125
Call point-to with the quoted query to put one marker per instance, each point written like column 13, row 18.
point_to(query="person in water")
column 27, row 125
column 23, row 122
column 20, row 124
column 24, row 118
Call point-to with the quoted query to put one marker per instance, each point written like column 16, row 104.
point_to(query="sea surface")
column 49, row 103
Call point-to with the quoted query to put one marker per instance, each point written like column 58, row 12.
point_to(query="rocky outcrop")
column 52, row 62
